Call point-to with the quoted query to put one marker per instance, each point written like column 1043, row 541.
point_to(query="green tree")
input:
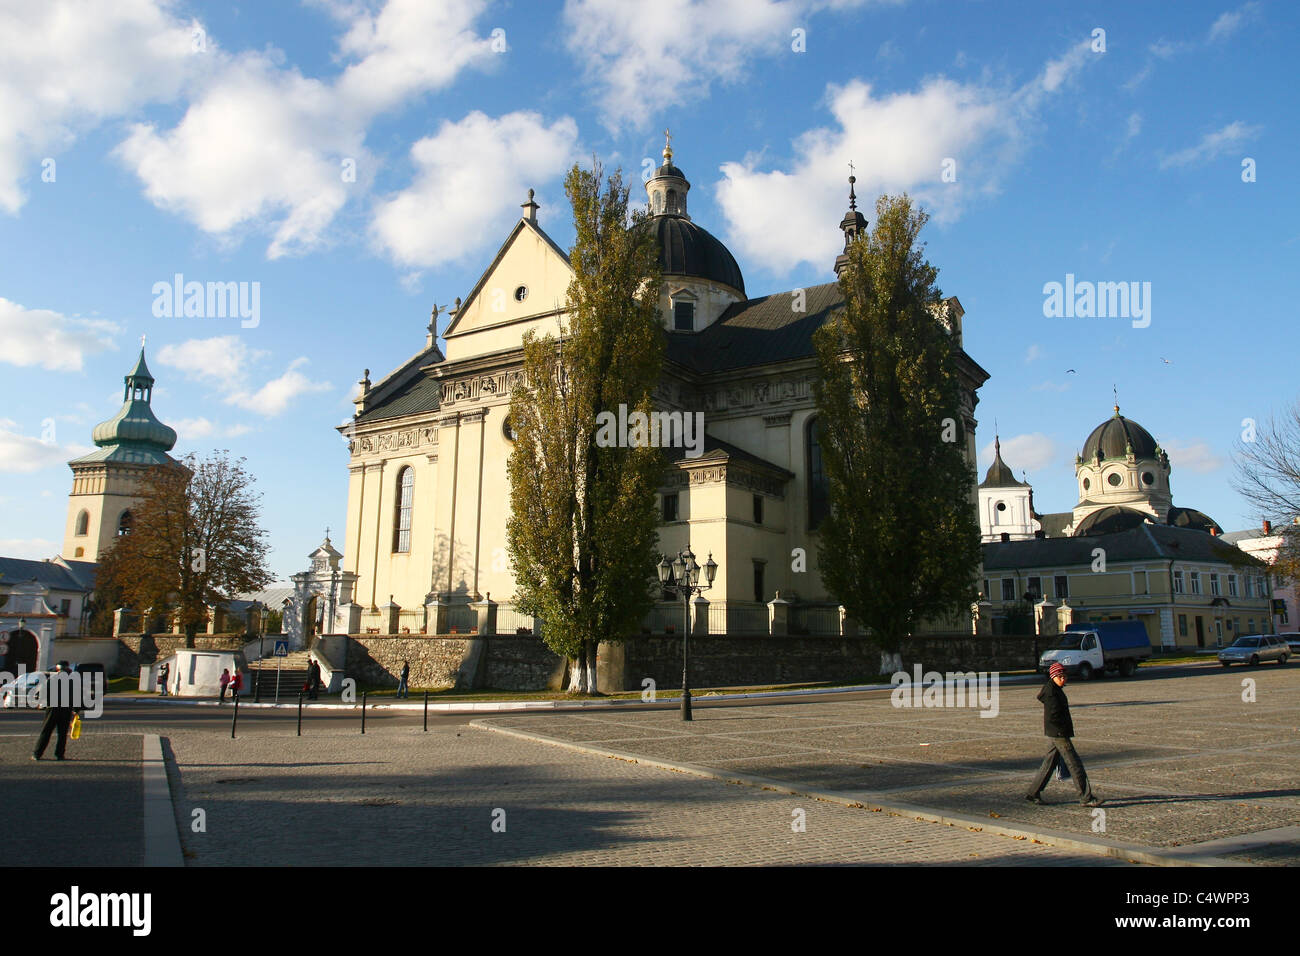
column 902, row 541
column 195, row 540
column 582, row 530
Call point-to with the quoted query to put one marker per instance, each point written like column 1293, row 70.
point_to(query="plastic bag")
column 1062, row 771
column 75, row 730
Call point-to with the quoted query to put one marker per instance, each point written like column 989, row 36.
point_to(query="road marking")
column 162, row 844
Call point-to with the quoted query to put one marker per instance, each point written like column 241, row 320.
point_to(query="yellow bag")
column 75, row 730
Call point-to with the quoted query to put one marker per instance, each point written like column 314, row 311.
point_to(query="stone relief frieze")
column 480, row 386
column 394, row 440
column 754, row 395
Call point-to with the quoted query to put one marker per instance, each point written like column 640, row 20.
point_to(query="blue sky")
column 361, row 161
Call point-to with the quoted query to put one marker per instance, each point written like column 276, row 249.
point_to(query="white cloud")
column 261, row 146
column 1212, row 145
column 1194, row 456
column 69, row 65
column 276, row 395
column 32, row 549
column 1228, row 23
column 193, row 429
column 50, row 339
column 897, row 141
column 225, row 363
column 470, row 172
column 223, row 358
column 1033, row 353
column 670, row 53
column 1022, row 453
column 23, row 454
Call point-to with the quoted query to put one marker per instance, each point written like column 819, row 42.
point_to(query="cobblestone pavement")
column 403, row 797
column 1179, row 757
column 86, row 810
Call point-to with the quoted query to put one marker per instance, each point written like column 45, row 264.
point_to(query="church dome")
column 1111, row 520
column 135, row 425
column 1113, row 436
column 687, row 250
column 999, row 474
column 1196, row 520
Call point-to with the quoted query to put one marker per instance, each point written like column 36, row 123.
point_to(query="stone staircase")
column 293, row 674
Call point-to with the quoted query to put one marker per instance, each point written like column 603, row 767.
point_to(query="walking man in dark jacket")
column 1058, row 726
column 58, row 712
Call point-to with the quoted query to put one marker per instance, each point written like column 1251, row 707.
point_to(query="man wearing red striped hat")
column 1058, row 726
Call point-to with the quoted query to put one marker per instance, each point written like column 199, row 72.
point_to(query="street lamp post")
column 683, row 576
column 261, row 652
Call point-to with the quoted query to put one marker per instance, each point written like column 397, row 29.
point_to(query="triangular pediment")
column 524, row 288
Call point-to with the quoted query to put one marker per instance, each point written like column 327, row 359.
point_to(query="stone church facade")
column 428, row 494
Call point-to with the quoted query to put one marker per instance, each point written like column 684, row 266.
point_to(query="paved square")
column 1177, row 754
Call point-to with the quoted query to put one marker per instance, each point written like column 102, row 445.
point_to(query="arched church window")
column 819, row 491
column 125, row 522
column 83, row 522
column 672, row 200
column 658, row 202
column 405, row 501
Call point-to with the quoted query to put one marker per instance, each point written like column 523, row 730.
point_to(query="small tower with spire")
column 106, row 482
column 1006, row 505
column 666, row 190
column 852, row 225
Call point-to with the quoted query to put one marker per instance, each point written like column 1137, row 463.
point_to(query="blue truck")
column 1088, row 649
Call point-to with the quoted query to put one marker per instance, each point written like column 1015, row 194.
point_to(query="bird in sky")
column 1069, row 371
column 1165, row 360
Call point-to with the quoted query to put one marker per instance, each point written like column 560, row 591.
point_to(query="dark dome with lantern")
column 1114, row 436
column 685, row 249
column 1196, row 520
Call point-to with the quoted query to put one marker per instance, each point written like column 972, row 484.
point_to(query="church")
column 1124, row 552
column 428, row 492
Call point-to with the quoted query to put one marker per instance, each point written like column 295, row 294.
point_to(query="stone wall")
column 508, row 662
column 139, row 650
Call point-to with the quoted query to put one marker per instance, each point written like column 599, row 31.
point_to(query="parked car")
column 1255, row 649
column 1292, row 639
column 14, row 693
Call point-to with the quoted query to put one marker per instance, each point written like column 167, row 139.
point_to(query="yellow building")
column 428, row 495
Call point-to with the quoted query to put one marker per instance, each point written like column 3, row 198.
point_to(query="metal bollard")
column 426, row 711
column 234, row 720
column 299, row 713
column 363, row 712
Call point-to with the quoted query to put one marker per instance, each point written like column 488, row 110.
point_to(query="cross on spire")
column 142, row 341
column 668, row 145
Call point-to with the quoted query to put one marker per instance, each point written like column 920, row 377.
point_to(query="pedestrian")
column 402, row 690
column 163, row 673
column 1058, row 726
column 236, row 684
column 313, row 677
column 58, row 712
column 225, row 682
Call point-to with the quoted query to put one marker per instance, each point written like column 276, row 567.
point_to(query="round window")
column 508, row 429
column 1148, row 478
column 1114, row 479
column 1002, row 506
column 521, row 293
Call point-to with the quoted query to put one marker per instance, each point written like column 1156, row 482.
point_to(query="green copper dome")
column 134, row 434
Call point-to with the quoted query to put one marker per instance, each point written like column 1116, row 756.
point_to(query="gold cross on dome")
column 142, row 341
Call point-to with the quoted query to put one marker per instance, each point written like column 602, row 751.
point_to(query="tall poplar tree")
column 902, row 541
column 582, row 529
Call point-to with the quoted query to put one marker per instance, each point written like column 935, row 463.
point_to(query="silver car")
column 1255, row 649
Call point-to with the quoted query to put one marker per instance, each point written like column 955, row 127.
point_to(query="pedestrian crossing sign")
column 281, row 648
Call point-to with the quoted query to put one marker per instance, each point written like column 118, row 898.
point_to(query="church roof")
column 1114, row 435
column 420, row 393
column 686, row 249
column 134, row 435
column 1146, row 542
column 757, row 331
column 999, row 475
column 53, row 576
column 717, row 450
column 1055, row 522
